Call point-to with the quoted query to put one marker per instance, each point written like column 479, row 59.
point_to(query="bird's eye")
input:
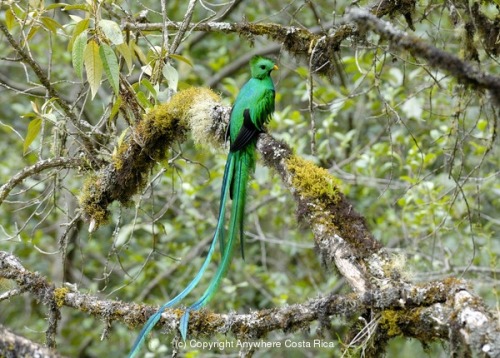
column 262, row 67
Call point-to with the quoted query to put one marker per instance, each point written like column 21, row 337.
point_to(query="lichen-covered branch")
column 477, row 26
column 435, row 310
column 436, row 58
column 340, row 233
column 300, row 42
column 38, row 286
column 391, row 7
column 296, row 40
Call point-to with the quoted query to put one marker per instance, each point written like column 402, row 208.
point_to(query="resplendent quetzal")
column 252, row 109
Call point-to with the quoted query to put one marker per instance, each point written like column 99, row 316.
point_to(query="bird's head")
column 261, row 67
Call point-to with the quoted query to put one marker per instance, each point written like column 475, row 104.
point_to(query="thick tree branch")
column 38, row 286
column 436, row 58
column 300, row 41
column 296, row 40
column 434, row 310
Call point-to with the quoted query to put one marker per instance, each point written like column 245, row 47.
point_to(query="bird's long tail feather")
column 239, row 184
column 218, row 235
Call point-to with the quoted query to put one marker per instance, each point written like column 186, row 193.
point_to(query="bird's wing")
column 247, row 132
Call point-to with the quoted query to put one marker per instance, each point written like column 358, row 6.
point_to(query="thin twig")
column 183, row 27
column 42, row 76
column 37, row 168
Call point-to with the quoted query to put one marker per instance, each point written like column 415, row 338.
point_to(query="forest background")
column 398, row 101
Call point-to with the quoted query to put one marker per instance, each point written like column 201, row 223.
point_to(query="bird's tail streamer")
column 241, row 173
column 219, row 235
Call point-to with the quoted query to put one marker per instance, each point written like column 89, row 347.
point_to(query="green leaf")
column 482, row 124
column 116, row 108
column 77, row 53
column 32, row 32
column 110, row 64
column 80, row 27
column 126, row 52
column 171, row 75
column 51, row 24
column 83, row 7
column 143, row 100
column 138, row 52
column 93, row 66
column 55, row 6
column 181, row 58
column 149, row 86
column 112, row 31
column 10, row 20
column 33, row 129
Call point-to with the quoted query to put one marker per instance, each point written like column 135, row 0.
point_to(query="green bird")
column 252, row 109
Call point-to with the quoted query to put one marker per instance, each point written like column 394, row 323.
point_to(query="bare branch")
column 37, row 168
column 184, row 26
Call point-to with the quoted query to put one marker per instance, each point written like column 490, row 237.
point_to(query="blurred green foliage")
column 413, row 148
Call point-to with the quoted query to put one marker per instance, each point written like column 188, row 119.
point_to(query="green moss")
column 90, row 200
column 311, row 181
column 60, row 294
column 118, row 155
column 389, row 322
column 204, row 322
column 407, row 323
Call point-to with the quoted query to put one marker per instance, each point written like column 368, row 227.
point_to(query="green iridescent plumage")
column 252, row 109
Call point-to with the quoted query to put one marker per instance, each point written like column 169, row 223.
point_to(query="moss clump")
column 91, row 201
column 311, row 181
column 322, row 203
column 59, row 295
column 203, row 128
column 389, row 322
column 407, row 323
column 147, row 144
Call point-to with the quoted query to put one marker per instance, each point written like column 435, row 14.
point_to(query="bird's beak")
column 276, row 67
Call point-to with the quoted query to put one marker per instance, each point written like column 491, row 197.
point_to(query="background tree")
column 395, row 104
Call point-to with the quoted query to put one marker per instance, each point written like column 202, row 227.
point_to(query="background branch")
column 61, row 163
column 65, row 106
column 12, row 345
column 436, row 58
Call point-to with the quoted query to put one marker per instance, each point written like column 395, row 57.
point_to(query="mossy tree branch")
column 148, row 144
column 301, row 42
column 296, row 40
column 38, row 286
column 435, row 310
column 435, row 57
